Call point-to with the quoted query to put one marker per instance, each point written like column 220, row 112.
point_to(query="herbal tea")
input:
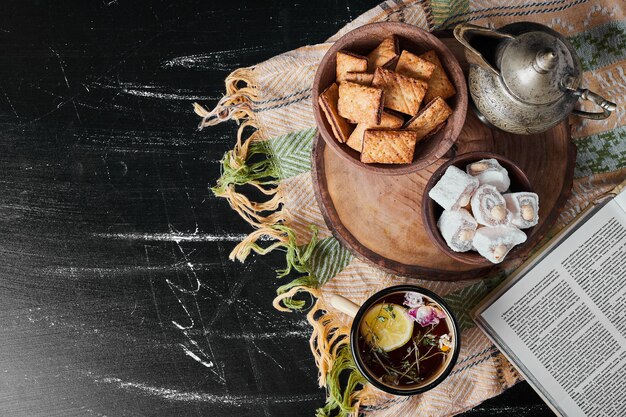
column 404, row 340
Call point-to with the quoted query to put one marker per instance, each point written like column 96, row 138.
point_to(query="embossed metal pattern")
column 534, row 84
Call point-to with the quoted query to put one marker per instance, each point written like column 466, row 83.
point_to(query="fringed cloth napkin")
column 271, row 102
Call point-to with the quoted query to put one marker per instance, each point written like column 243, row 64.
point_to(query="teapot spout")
column 464, row 33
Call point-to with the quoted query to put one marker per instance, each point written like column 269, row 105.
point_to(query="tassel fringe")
column 236, row 105
column 250, row 163
column 330, row 344
column 238, row 166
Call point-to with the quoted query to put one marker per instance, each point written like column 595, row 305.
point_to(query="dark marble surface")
column 116, row 294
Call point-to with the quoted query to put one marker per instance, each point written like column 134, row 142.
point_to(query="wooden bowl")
column 361, row 41
column 431, row 210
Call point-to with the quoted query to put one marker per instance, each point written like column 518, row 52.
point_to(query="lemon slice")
column 387, row 326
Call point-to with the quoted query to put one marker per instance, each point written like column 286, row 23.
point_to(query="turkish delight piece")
column 494, row 243
column 457, row 227
column 454, row 189
column 489, row 207
column 489, row 171
column 524, row 208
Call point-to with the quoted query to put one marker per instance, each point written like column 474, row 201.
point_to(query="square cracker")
column 360, row 103
column 403, row 94
column 388, row 120
column 429, row 118
column 363, row 78
column 349, row 62
column 439, row 84
column 388, row 146
column 415, row 67
column 328, row 101
column 383, row 54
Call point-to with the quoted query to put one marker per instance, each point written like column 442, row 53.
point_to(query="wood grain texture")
column 379, row 218
column 116, row 294
column 363, row 40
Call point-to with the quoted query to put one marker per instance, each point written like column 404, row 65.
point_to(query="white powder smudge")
column 163, row 92
column 304, row 333
column 226, row 59
column 196, row 358
column 176, row 237
column 164, row 96
column 225, row 399
column 121, row 270
column 191, row 61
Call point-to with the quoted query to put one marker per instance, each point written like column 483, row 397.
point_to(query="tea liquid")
column 380, row 363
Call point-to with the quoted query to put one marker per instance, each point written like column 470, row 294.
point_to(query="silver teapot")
column 524, row 78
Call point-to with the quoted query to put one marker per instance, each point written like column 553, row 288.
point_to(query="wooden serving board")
column 378, row 218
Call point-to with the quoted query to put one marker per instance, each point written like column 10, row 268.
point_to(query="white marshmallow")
column 524, row 208
column 489, row 171
column 494, row 243
column 454, row 189
column 489, row 207
column 457, row 228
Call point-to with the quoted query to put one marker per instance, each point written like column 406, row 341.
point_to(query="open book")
column 561, row 317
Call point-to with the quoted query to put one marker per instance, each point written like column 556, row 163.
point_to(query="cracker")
column 430, row 118
column 388, row 146
column 328, row 101
column 413, row 66
column 349, row 62
column 383, row 54
column 388, row 120
column 363, row 78
column 404, row 94
column 439, row 84
column 360, row 103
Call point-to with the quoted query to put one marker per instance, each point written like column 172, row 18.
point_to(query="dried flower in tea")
column 427, row 315
column 413, row 299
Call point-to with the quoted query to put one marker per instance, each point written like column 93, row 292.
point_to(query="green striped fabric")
column 292, row 152
column 463, row 300
column 601, row 153
column 328, row 259
column 601, row 46
column 442, row 10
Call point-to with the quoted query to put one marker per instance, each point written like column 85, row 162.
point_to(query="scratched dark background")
column 116, row 294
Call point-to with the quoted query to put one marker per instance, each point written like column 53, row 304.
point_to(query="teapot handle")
column 461, row 33
column 606, row 105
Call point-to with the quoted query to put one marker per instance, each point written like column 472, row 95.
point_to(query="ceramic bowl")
column 415, row 40
column 361, row 41
column 431, row 211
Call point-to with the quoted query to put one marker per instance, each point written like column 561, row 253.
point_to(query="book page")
column 564, row 322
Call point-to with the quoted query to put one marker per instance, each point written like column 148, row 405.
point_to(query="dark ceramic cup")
column 358, row 312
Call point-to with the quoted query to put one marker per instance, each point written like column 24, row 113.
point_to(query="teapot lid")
column 534, row 65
